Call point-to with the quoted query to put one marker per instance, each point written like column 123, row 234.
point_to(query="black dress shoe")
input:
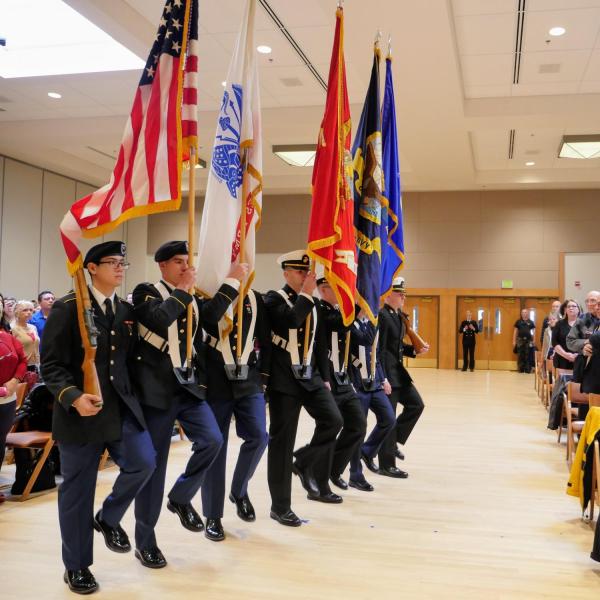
column 81, row 581
column 187, row 514
column 363, row 486
column 288, row 518
column 399, row 454
column 328, row 497
column 338, row 481
column 393, row 472
column 214, row 530
column 152, row 558
column 245, row 510
column 307, row 481
column 369, row 463
column 115, row 537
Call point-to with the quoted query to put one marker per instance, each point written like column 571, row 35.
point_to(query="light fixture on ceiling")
column 71, row 44
column 529, row 163
column 54, row 95
column 264, row 49
column 557, row 31
column 201, row 164
column 580, row 146
column 297, row 155
column 223, row 83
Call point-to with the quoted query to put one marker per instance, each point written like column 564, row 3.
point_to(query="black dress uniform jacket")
column 392, row 348
column 332, row 321
column 153, row 367
column 259, row 361
column 283, row 318
column 61, row 360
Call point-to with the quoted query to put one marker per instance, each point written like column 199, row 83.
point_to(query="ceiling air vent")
column 291, row 81
column 549, row 68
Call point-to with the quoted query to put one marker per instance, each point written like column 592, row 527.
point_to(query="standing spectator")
column 563, row 358
column 27, row 334
column 523, row 336
column 554, row 310
column 13, row 366
column 469, row 330
column 551, row 320
column 9, row 309
column 46, row 300
column 585, row 325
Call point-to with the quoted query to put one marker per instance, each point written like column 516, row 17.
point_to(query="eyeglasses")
column 116, row 264
column 572, row 306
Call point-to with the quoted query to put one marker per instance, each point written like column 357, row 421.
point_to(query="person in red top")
column 13, row 365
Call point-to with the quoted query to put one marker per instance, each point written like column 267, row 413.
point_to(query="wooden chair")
column 574, row 396
column 36, row 440
column 537, row 365
column 548, row 378
column 21, row 393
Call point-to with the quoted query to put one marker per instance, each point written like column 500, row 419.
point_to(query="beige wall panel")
column 136, row 234
column 411, row 236
column 448, row 236
column 426, row 279
column 268, row 273
column 492, row 279
column 21, row 214
column 519, row 261
column 410, row 206
column 569, row 205
column 420, row 261
column 516, row 236
column 450, row 206
column 58, row 196
column 572, row 236
column 512, row 206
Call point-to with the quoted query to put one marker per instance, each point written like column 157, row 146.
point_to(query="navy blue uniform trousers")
column 134, row 453
column 378, row 402
column 199, row 424
column 251, row 426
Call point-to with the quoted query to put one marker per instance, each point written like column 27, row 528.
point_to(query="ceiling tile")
column 486, row 34
column 482, row 7
column 490, row 69
column 572, row 66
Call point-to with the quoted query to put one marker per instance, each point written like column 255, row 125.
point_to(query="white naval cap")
column 398, row 284
column 297, row 259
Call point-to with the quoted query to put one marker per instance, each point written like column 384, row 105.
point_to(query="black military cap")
column 321, row 280
column 170, row 249
column 96, row 253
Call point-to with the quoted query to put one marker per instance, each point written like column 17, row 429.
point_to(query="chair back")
column 594, row 400
column 574, row 393
column 550, row 371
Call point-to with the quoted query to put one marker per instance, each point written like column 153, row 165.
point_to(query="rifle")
column 416, row 340
column 89, row 335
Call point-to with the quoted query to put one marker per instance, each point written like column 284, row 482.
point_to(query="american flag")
column 160, row 131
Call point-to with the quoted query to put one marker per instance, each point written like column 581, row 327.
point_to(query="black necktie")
column 110, row 315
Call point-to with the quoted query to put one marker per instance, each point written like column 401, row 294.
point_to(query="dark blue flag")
column 368, row 183
column 392, row 250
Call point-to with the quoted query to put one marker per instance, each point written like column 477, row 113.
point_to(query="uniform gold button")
column 183, row 320
column 182, row 331
column 112, row 362
column 233, row 347
column 139, row 358
column 111, row 377
column 113, row 348
column 112, row 333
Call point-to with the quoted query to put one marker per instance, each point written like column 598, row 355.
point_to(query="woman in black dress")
column 563, row 359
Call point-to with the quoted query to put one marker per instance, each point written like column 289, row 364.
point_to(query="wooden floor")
column 484, row 515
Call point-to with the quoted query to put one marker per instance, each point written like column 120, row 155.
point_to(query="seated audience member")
column 554, row 310
column 46, row 300
column 27, row 334
column 551, row 320
column 13, row 366
column 9, row 309
column 562, row 357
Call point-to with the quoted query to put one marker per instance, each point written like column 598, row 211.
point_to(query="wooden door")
column 424, row 314
column 539, row 309
column 503, row 314
column 480, row 311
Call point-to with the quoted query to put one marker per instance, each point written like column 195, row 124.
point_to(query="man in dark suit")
column 236, row 388
column 355, row 421
column 392, row 330
column 162, row 310
column 84, row 424
column 296, row 382
column 371, row 386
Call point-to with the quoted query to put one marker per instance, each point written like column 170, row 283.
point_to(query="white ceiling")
column 453, row 72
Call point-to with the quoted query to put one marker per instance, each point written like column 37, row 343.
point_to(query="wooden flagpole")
column 191, row 233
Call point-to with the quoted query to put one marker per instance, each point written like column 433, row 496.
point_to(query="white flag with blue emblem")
column 237, row 153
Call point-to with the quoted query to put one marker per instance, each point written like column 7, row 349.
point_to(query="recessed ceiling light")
column 556, row 31
column 264, row 49
column 55, row 95
column 223, row 83
column 580, row 146
column 529, row 163
column 297, row 155
column 58, row 41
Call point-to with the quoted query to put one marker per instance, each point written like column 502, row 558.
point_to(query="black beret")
column 96, row 253
column 170, row 249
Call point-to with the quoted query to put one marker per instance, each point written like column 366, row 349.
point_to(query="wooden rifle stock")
column 89, row 335
column 415, row 339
